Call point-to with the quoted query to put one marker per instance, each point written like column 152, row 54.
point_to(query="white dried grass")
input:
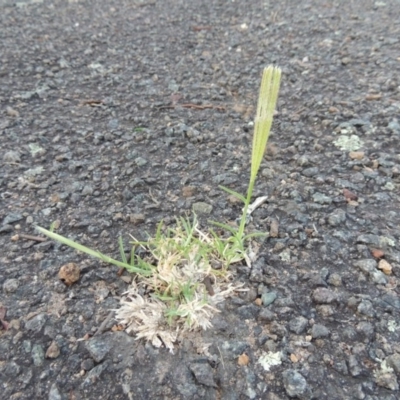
column 177, row 266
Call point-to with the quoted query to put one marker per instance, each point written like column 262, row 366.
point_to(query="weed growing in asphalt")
column 182, row 273
column 262, row 126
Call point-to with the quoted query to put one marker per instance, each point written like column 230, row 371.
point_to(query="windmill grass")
column 267, row 100
column 184, row 272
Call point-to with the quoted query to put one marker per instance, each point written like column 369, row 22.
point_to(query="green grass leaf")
column 121, row 250
column 255, row 234
column 233, row 193
column 91, row 252
column 226, row 227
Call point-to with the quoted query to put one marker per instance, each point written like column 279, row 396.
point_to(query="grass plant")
column 267, row 100
column 182, row 273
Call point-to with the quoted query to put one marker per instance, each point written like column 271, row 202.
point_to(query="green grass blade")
column 189, row 228
column 164, row 297
column 233, row 193
column 132, row 259
column 121, row 250
column 91, row 252
column 225, row 226
column 256, row 234
column 159, row 230
column 52, row 226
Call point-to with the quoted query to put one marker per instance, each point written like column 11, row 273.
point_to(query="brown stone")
column 243, row 359
column 377, row 253
column 356, row 155
column 274, row 228
column 53, row 351
column 385, row 267
column 188, row 191
column 137, row 219
column 69, row 273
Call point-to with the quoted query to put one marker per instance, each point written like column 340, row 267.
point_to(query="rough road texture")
column 117, row 114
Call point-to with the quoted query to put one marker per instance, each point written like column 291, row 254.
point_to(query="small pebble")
column 69, row 273
column 356, row 155
column 385, row 267
column 53, row 351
